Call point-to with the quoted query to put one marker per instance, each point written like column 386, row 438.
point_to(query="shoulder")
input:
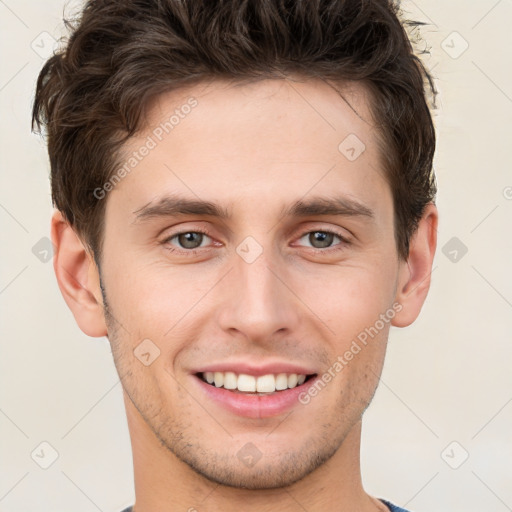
column 392, row 508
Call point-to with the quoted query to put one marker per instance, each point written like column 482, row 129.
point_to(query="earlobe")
column 415, row 273
column 78, row 278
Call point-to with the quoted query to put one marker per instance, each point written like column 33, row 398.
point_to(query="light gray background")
column 447, row 378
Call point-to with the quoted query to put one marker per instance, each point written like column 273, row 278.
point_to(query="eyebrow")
column 344, row 205
column 176, row 206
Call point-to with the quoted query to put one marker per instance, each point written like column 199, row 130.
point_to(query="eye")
column 323, row 239
column 186, row 241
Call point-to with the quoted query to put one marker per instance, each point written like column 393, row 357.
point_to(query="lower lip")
column 254, row 405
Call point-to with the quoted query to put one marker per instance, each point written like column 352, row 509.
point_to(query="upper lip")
column 250, row 368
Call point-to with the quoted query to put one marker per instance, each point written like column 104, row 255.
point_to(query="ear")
column 414, row 274
column 78, row 277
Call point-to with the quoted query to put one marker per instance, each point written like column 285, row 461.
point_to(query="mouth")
column 255, row 389
column 262, row 385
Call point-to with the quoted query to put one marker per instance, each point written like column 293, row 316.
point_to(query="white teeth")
column 292, row 380
column 281, row 381
column 230, row 380
column 218, row 379
column 249, row 384
column 266, row 384
column 246, row 383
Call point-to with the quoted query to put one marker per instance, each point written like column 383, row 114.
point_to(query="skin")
column 254, row 149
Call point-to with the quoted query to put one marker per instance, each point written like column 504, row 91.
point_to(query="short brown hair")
column 91, row 94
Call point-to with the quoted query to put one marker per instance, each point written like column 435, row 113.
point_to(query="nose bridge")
column 258, row 303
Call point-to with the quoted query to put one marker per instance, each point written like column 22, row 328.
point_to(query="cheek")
column 159, row 303
column 350, row 299
column 143, row 295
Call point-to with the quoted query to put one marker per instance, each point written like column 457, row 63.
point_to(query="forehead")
column 226, row 140
column 326, row 104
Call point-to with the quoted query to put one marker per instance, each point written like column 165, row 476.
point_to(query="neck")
column 165, row 483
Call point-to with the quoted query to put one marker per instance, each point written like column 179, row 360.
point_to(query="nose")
column 259, row 300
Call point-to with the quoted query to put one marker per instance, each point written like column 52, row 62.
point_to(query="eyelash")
column 193, row 252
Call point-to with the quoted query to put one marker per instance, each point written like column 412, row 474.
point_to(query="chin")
column 257, row 473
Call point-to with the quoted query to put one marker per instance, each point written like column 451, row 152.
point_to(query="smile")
column 253, row 396
column 263, row 384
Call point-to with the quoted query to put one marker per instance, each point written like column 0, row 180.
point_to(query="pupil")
column 324, row 238
column 189, row 240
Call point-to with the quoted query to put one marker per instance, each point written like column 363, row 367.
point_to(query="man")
column 245, row 205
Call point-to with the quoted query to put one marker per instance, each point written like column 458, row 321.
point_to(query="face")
column 251, row 246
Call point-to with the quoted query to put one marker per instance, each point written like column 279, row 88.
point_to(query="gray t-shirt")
column 392, row 508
